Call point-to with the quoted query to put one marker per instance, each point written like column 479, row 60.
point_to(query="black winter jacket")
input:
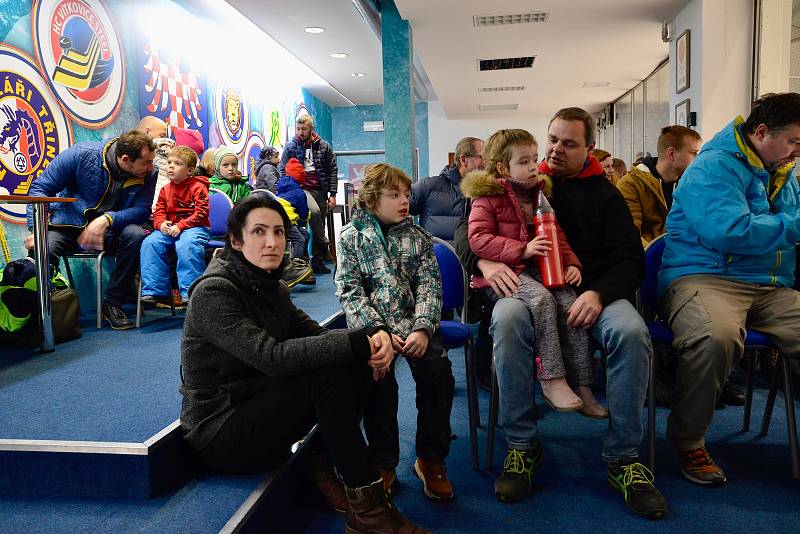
column 324, row 161
column 241, row 333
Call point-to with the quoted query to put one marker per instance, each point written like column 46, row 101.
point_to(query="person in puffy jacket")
column 266, row 170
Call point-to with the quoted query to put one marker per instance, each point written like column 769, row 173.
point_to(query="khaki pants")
column 708, row 315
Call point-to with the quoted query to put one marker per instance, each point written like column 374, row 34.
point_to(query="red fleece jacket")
column 185, row 204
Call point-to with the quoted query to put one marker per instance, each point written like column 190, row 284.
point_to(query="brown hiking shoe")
column 326, row 481
column 370, row 511
column 389, row 478
column 697, row 466
column 434, row 479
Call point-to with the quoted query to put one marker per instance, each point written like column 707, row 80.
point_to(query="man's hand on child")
column 502, row 278
column 416, row 344
column 382, row 354
column 538, row 246
column 585, row 310
column 572, row 275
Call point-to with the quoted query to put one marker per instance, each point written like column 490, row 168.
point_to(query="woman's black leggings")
column 263, row 427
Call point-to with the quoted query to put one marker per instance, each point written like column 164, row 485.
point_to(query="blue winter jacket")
column 722, row 222
column 288, row 189
column 81, row 172
column 439, row 203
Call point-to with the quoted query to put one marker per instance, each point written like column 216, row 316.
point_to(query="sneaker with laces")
column 296, row 271
column 116, row 317
column 697, row 466
column 635, row 482
column 434, row 479
column 520, row 465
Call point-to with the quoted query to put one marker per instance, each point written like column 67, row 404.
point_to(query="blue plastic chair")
column 661, row 334
column 219, row 207
column 455, row 285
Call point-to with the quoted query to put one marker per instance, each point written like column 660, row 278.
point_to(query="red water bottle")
column 544, row 222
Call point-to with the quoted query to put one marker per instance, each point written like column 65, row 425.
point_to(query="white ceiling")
column 616, row 41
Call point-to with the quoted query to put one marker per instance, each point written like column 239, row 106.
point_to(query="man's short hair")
column 619, row 166
column 131, row 144
column 185, row 154
column 377, row 177
column 775, row 110
column 577, row 114
column 465, row 147
column 675, row 136
column 305, row 119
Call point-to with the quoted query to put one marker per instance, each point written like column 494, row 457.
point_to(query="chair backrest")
column 648, row 292
column 454, row 277
column 265, row 192
column 219, row 207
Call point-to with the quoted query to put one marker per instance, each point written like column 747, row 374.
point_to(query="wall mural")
column 170, row 90
column 252, row 151
column 232, row 114
column 32, row 128
column 81, row 57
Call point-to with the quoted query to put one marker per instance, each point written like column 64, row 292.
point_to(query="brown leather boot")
column 434, row 479
column 389, row 478
column 370, row 511
column 326, row 481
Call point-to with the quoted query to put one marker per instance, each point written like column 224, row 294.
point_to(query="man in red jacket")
column 180, row 222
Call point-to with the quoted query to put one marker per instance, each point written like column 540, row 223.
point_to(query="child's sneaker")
column 520, row 465
column 635, row 482
column 559, row 395
column 591, row 408
column 699, row 467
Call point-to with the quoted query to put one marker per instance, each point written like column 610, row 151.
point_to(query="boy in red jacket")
column 180, row 222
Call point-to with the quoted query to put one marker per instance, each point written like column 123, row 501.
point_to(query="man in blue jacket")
column 319, row 161
column 729, row 265
column 438, row 199
column 113, row 184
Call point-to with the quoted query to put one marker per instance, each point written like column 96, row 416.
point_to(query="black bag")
column 66, row 315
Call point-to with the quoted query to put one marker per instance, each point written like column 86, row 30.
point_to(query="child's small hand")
column 416, row 344
column 538, row 246
column 572, row 275
column 397, row 343
column 165, row 226
column 174, row 230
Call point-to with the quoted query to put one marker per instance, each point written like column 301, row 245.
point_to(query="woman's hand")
column 538, row 246
column 572, row 275
column 416, row 344
column 382, row 354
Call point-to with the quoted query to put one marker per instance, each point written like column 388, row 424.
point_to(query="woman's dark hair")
column 775, row 110
column 238, row 215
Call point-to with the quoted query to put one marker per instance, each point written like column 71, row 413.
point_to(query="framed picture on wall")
column 682, row 65
column 682, row 113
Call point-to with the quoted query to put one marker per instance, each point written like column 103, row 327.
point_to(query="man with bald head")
column 113, row 183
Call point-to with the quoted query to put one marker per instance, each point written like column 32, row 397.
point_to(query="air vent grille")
column 498, row 107
column 516, row 18
column 501, row 89
column 506, row 63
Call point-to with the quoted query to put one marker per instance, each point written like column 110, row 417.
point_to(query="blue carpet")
column 571, row 493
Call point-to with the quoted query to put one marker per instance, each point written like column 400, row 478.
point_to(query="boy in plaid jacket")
column 387, row 276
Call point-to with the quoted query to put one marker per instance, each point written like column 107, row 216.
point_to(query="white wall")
column 775, row 53
column 443, row 134
column 721, row 40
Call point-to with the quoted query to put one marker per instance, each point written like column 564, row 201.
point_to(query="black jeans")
column 319, row 240
column 263, row 427
column 125, row 244
column 433, row 375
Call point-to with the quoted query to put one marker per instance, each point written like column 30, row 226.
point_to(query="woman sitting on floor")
column 258, row 373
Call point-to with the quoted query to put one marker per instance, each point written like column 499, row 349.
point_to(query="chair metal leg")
column 472, row 403
column 139, row 303
column 491, row 424
column 748, row 398
column 69, row 272
column 651, row 417
column 773, row 391
column 790, row 420
column 99, row 269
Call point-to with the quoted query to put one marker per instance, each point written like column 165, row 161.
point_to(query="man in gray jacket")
column 438, row 200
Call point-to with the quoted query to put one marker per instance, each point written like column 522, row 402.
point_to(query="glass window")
column 623, row 148
column 638, row 121
column 656, row 108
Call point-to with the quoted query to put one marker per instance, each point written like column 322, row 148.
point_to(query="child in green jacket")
column 227, row 177
column 388, row 276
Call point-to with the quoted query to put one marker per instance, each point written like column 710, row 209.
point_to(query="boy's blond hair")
column 185, row 154
column 377, row 177
column 498, row 148
column 207, row 161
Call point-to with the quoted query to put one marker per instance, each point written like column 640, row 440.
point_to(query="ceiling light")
column 339, row 55
column 596, row 84
column 357, row 74
column 498, row 107
column 314, row 29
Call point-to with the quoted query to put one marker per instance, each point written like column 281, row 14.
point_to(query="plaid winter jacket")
column 391, row 280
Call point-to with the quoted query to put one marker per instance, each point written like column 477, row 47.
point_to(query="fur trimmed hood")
column 481, row 184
